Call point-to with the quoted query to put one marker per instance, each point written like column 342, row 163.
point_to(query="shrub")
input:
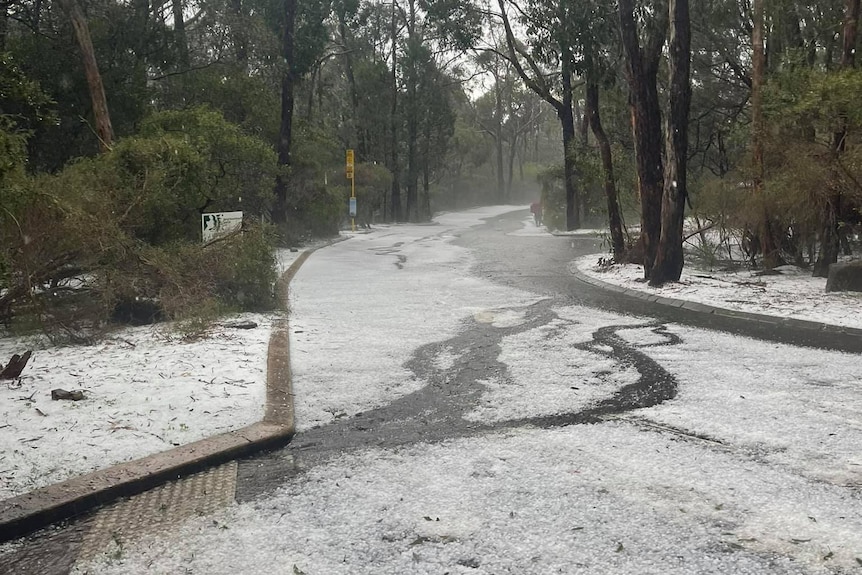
column 122, row 231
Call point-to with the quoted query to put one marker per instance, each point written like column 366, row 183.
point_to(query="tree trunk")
column 669, row 258
column 4, row 25
column 851, row 26
column 567, row 120
column 354, row 140
column 239, row 35
column 830, row 238
column 618, row 244
column 395, row 197
column 288, row 88
column 642, row 75
column 498, row 140
column 180, row 33
column 563, row 108
column 582, row 119
column 768, row 248
column 510, row 169
column 426, row 192
column 411, row 109
column 104, row 130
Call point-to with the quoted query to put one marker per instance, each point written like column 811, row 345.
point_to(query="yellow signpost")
column 352, row 190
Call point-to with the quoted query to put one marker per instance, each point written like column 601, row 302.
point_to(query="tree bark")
column 102, row 117
column 567, row 120
column 618, row 244
column 355, row 140
column 669, row 258
column 498, row 139
column 288, row 88
column 411, row 113
column 180, row 33
column 830, row 239
column 642, row 74
column 510, row 168
column 394, row 167
column 4, row 25
column 768, row 248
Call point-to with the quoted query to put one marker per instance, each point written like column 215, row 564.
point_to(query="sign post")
column 352, row 190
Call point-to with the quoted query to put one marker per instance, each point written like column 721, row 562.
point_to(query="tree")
column 669, row 257
column 104, row 129
column 618, row 246
column 829, row 237
column 395, row 165
column 433, row 29
column 302, row 38
column 642, row 66
column 768, row 247
column 594, row 39
column 489, row 109
column 558, row 47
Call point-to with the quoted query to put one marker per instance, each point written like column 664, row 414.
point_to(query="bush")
column 234, row 273
column 122, row 231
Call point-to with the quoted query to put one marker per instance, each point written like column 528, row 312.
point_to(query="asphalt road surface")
column 536, row 264
column 435, row 413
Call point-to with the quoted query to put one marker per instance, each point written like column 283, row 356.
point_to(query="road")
column 565, row 430
column 717, row 370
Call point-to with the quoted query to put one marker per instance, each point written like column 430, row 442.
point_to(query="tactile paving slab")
column 152, row 511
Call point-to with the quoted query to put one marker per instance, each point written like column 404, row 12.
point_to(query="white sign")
column 219, row 224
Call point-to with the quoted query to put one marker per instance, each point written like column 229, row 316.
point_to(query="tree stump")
column 15, row 366
column 845, row 277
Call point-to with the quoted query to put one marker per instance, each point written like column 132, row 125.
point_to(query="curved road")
column 826, row 477
column 541, row 265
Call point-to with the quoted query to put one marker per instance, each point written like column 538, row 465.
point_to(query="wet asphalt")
column 540, row 265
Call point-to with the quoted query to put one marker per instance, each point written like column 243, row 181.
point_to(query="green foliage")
column 123, row 228
column 190, row 280
column 372, row 184
column 311, row 34
column 249, row 101
column 23, row 103
column 238, row 168
column 808, row 97
column 313, row 208
column 54, row 59
column 456, row 22
column 182, row 164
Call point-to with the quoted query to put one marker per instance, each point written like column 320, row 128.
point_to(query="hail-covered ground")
column 753, row 467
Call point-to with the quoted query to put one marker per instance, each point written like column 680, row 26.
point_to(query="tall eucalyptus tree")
column 303, row 36
column 669, row 257
column 549, row 27
column 643, row 35
column 435, row 31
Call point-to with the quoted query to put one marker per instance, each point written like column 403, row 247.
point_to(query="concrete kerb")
column 29, row 512
column 709, row 309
